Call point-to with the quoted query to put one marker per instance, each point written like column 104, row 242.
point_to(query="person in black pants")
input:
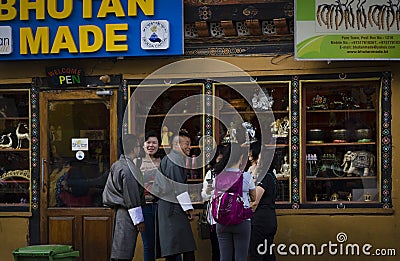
column 264, row 222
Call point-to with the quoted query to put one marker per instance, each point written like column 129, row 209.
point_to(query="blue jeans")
column 149, row 234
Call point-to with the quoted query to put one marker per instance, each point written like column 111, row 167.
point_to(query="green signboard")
column 347, row 30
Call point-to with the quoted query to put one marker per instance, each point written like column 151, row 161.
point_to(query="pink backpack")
column 227, row 206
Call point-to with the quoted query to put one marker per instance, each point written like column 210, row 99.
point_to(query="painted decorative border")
column 35, row 147
column 386, row 142
column 125, row 97
column 208, row 128
column 295, row 136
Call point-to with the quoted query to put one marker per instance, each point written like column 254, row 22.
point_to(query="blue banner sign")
column 48, row 29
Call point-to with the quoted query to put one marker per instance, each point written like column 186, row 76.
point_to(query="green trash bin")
column 45, row 253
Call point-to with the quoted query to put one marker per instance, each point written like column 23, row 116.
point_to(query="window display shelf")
column 341, row 111
column 265, row 105
column 15, row 176
column 163, row 115
column 165, row 109
column 252, row 112
column 341, row 143
column 14, row 150
column 340, row 178
column 13, row 118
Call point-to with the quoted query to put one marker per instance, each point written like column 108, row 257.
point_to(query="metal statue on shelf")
column 262, row 100
column 165, row 136
column 335, row 197
column 285, row 168
column 280, row 127
column 21, row 135
column 250, row 132
column 230, row 136
column 3, row 142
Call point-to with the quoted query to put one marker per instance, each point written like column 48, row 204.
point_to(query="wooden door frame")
column 44, row 98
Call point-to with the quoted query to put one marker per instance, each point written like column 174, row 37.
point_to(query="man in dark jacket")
column 124, row 193
column 175, row 210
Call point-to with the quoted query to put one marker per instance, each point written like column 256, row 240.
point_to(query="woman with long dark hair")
column 234, row 239
column 206, row 193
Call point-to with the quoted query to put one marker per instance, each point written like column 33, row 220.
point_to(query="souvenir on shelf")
column 346, row 102
column 21, row 135
column 280, row 127
column 165, row 136
column 363, row 135
column 318, row 103
column 230, row 136
column 6, row 141
column 335, row 197
column 250, row 132
column 285, row 168
column 360, row 163
column 262, row 101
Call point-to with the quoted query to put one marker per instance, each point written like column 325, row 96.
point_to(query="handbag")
column 203, row 227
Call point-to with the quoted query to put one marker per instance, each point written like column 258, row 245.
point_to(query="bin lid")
column 43, row 250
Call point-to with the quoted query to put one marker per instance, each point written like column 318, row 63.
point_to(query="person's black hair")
column 219, row 150
column 231, row 155
column 130, row 141
column 255, row 149
column 152, row 133
column 147, row 135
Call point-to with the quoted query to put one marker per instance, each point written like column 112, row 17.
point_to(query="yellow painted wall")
column 378, row 228
column 14, row 233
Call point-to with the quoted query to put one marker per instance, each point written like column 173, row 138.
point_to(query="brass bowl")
column 363, row 134
column 340, row 134
column 315, row 135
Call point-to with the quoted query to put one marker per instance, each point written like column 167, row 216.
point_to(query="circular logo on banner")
column 80, row 155
column 155, row 34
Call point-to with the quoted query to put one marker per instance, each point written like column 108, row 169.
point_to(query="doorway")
column 78, row 143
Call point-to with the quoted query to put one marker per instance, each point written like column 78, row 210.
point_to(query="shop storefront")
column 330, row 126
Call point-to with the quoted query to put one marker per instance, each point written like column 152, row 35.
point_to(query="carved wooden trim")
column 202, row 28
column 254, row 26
column 281, row 26
column 240, row 12
column 229, row 28
column 228, row 2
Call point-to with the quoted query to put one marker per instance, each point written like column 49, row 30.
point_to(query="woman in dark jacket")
column 264, row 222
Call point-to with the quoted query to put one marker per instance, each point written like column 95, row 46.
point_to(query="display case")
column 15, row 174
column 340, row 141
column 166, row 109
column 264, row 104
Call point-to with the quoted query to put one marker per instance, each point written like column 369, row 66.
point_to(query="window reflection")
column 73, row 182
